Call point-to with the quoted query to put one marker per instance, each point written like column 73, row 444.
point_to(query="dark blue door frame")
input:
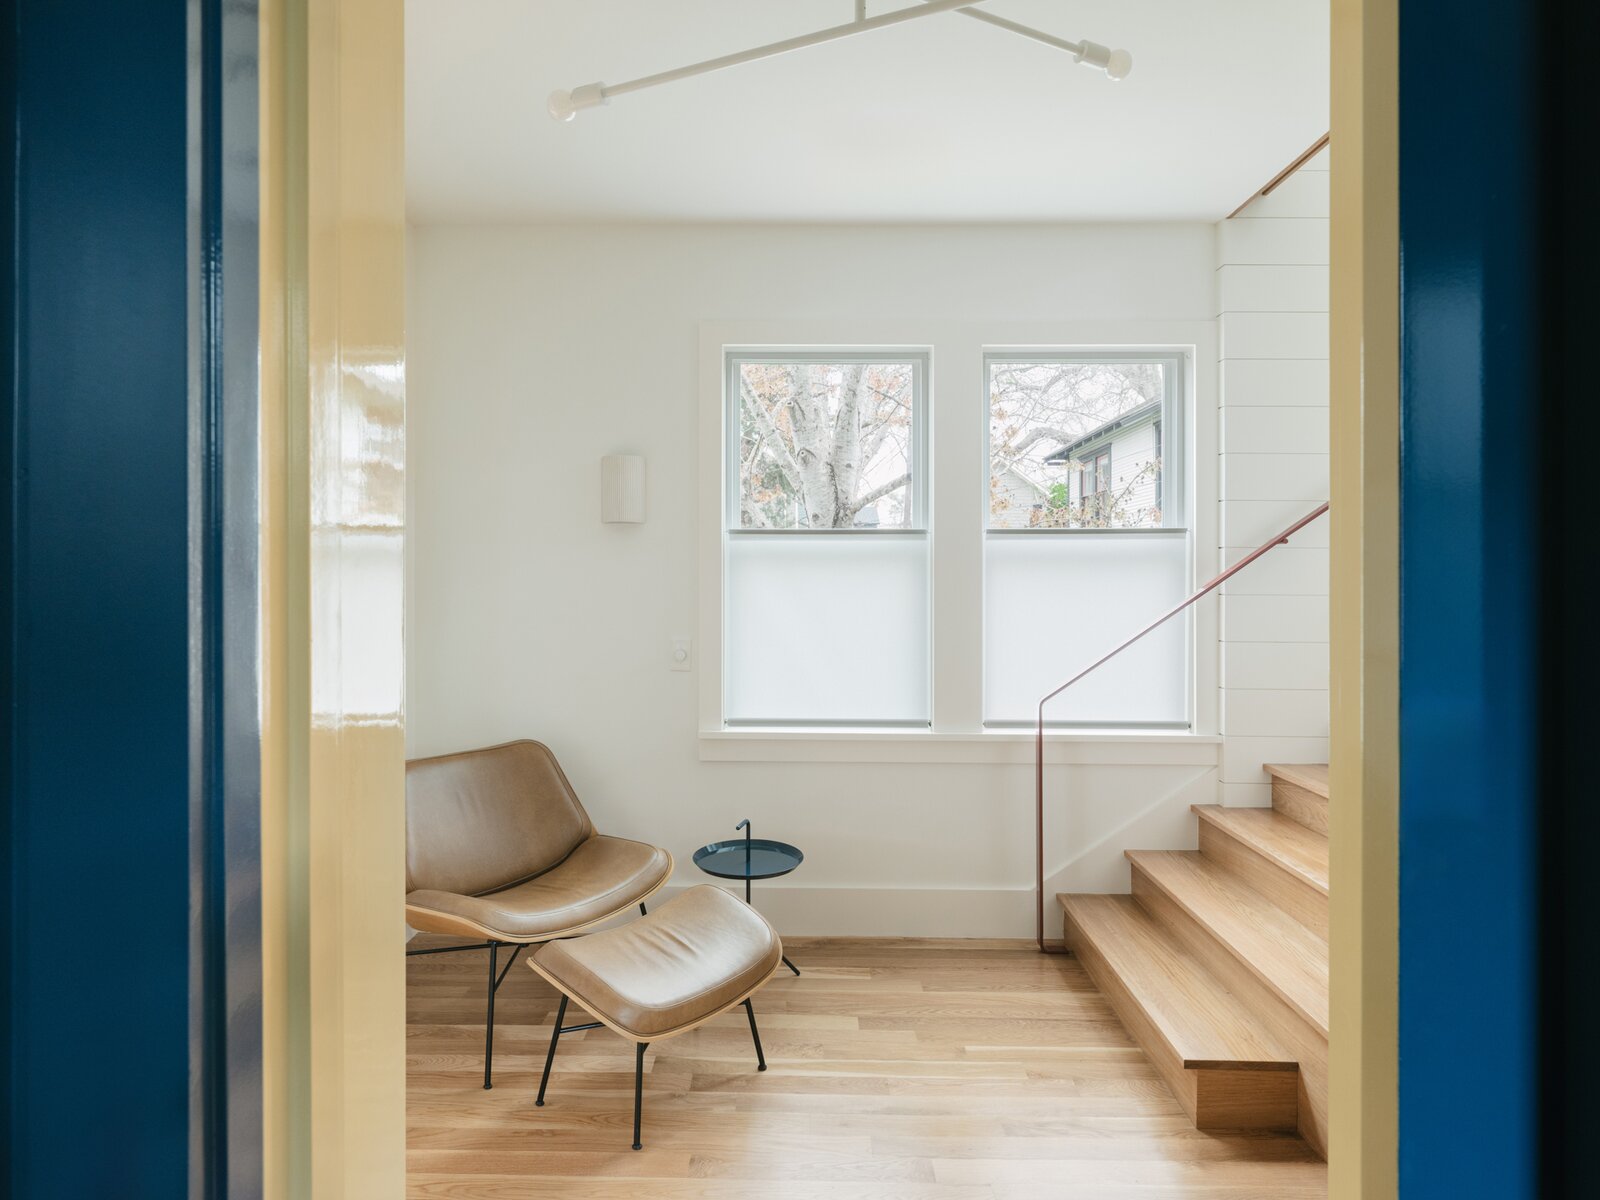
column 1498, row 827
column 129, row 916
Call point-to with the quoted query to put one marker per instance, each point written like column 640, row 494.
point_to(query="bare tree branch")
column 1038, row 433
column 879, row 492
column 752, row 404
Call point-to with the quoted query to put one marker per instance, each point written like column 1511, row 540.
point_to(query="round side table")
column 749, row 858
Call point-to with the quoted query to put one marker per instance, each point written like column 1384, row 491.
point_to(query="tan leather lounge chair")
column 498, row 849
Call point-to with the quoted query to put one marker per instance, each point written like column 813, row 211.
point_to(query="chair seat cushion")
column 694, row 956
column 602, row 877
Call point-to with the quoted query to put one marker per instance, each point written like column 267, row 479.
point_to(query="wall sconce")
column 622, row 489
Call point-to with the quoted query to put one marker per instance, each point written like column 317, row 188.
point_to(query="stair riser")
column 1248, row 1100
column 1297, row 1035
column 1284, row 888
column 1300, row 804
column 1215, row 1100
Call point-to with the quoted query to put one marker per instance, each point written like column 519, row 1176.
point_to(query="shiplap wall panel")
column 1275, row 335
column 1279, row 712
column 1272, row 306
column 1258, row 429
column 1246, row 242
column 1251, row 522
column 1247, row 476
column 1288, row 571
column 1243, row 755
column 1299, row 618
column 1269, row 288
column 1272, row 664
column 1275, row 382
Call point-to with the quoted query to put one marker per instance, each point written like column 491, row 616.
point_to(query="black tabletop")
column 748, row 858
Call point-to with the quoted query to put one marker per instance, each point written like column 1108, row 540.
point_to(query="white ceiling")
column 940, row 119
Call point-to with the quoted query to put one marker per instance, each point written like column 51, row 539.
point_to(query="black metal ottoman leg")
column 643, row 911
column 549, row 1059
column 488, row 1024
column 761, row 1058
column 638, row 1094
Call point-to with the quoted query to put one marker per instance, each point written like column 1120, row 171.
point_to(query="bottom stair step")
column 1220, row 1066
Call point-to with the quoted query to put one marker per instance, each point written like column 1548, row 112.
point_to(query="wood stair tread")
column 1311, row 776
column 1286, row 956
column 1300, row 851
column 1202, row 1023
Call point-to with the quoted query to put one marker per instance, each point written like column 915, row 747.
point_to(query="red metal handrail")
column 1038, row 747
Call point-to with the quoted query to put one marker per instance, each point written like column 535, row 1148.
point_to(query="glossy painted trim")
column 285, row 618
column 1364, row 602
column 225, row 778
column 1472, row 383
column 333, row 535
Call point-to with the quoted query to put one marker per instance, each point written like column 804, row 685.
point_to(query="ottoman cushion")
column 697, row 954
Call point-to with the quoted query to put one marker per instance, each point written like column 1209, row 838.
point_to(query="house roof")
column 997, row 467
column 1134, row 416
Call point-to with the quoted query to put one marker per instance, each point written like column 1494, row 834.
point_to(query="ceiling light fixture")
column 564, row 104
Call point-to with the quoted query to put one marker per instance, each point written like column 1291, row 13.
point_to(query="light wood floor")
column 898, row 1070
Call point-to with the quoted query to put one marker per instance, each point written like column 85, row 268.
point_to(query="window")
column 1085, row 537
column 826, row 539
column 1102, row 474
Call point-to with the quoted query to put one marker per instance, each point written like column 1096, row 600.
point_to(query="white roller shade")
column 1056, row 602
column 827, row 628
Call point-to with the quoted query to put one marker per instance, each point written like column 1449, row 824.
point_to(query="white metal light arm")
column 564, row 105
column 1115, row 63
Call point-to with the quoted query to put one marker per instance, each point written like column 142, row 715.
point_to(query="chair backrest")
column 485, row 819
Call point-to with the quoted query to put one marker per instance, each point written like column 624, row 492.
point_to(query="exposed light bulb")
column 1115, row 63
column 559, row 105
column 564, row 105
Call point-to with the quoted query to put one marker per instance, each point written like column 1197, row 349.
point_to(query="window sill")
column 1001, row 747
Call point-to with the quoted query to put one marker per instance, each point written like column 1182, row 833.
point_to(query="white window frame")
column 1175, row 499
column 958, row 496
column 917, row 491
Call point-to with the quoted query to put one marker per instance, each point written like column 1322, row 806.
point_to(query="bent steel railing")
column 1038, row 746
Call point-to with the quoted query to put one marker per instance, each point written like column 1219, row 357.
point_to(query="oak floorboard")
column 899, row 1070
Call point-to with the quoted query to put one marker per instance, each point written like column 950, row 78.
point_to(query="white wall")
column 1272, row 304
column 535, row 351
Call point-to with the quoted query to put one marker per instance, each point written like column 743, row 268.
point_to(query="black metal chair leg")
column 488, row 1025
column 638, row 1094
column 790, row 965
column 761, row 1059
column 510, row 962
column 555, row 1036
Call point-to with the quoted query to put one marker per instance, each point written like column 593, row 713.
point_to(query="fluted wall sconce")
column 622, row 489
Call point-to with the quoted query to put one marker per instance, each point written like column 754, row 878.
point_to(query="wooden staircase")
column 1218, row 962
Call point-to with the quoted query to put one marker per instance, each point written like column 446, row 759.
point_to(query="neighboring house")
column 1120, row 459
column 1018, row 499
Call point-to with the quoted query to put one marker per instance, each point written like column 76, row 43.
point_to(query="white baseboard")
column 893, row 912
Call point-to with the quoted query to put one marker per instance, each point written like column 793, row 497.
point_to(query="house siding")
column 1132, row 454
